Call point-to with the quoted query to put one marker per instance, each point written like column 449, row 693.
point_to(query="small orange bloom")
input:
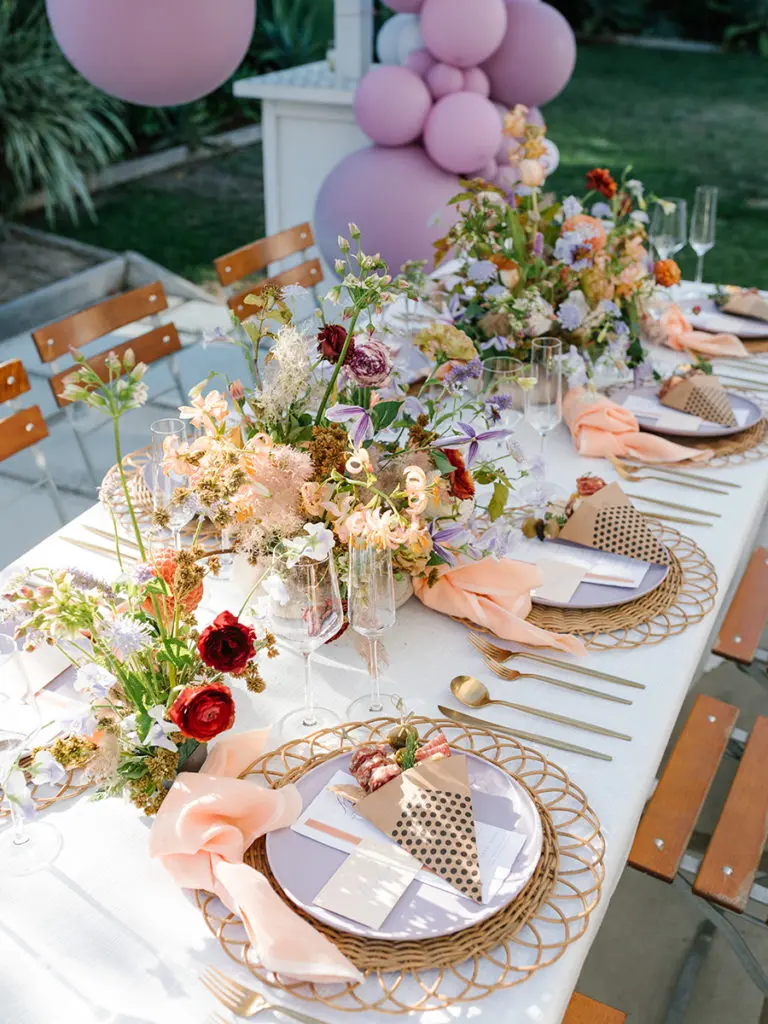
column 601, row 180
column 460, row 482
column 667, row 273
column 164, row 564
column 594, row 231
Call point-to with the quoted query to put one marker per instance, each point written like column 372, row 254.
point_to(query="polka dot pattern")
column 712, row 404
column 622, row 530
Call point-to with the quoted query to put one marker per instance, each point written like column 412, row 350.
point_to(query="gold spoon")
column 474, row 694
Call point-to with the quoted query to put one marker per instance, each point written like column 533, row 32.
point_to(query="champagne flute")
column 166, row 482
column 501, row 384
column 543, row 407
column 25, row 847
column 668, row 231
column 304, row 609
column 371, row 613
column 703, row 225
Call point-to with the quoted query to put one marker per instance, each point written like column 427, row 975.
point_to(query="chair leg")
column 176, row 374
column 764, row 1014
column 52, row 488
column 90, row 468
column 686, row 980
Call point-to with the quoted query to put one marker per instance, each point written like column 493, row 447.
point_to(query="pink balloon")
column 489, row 172
column 442, row 80
column 535, row 59
column 463, row 132
column 405, row 6
column 156, row 53
column 391, row 105
column 393, row 195
column 463, row 32
column 420, row 61
column 476, row 80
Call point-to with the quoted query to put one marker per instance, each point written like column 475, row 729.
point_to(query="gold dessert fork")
column 244, row 1002
column 633, row 466
column 512, row 675
column 640, row 474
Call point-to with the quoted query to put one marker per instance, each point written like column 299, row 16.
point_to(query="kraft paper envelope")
column 747, row 304
column 704, row 396
column 608, row 521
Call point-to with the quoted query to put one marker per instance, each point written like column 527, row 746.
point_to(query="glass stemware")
column 501, row 385
column 25, row 847
column 371, row 613
column 543, row 408
column 304, row 609
column 165, row 483
column 703, row 225
column 668, row 231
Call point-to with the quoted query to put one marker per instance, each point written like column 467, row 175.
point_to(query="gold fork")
column 512, row 675
column 635, row 477
column 244, row 1002
column 633, row 466
column 501, row 654
column 674, row 504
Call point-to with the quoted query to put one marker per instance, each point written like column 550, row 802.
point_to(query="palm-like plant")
column 54, row 126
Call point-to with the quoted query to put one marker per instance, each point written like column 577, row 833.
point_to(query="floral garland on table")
column 155, row 684
column 531, row 264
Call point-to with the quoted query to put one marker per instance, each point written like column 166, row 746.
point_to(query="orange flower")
column 594, row 233
column 460, row 482
column 164, row 564
column 667, row 273
column 601, row 180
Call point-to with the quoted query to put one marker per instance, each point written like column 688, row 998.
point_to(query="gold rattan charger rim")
column 532, row 932
column 747, row 446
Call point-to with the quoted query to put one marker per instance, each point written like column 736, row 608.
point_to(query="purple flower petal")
column 452, row 442
column 474, row 448
column 468, row 430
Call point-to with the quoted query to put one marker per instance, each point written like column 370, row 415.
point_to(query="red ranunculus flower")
column 587, row 485
column 601, row 180
column 227, row 644
column 460, row 482
column 202, row 712
column 331, row 341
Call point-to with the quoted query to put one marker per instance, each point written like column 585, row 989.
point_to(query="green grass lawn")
column 679, row 119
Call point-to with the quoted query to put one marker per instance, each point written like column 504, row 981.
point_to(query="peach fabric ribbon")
column 679, row 335
column 201, row 834
column 496, row 594
column 601, row 428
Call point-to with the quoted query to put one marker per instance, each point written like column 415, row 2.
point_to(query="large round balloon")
column 536, row 57
column 156, row 53
column 391, row 105
column 463, row 32
column 398, row 199
column 462, row 132
column 404, row 6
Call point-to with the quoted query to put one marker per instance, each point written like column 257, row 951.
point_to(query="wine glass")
column 501, row 384
column 166, row 482
column 304, row 609
column 703, row 223
column 25, row 847
column 371, row 613
column 668, row 231
column 543, row 407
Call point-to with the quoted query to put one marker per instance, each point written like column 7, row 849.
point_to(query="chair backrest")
column 250, row 259
column 24, row 427
column 747, row 615
column 582, row 1010
column 95, row 322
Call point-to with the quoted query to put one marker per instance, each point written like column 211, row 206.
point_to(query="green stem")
column 337, row 368
column 124, row 482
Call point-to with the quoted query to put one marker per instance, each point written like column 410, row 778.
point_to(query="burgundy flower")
column 227, row 644
column 602, row 181
column 202, row 712
column 370, row 365
column 460, row 482
column 331, row 341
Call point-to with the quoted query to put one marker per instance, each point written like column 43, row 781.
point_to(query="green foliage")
column 290, row 32
column 54, row 127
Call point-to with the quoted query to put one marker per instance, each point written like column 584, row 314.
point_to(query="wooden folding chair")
column 22, row 428
column 56, row 339
column 739, row 638
column 722, row 881
column 582, row 1010
column 250, row 259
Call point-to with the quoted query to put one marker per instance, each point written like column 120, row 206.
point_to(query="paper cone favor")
column 428, row 812
column 701, row 395
column 608, row 521
column 747, row 304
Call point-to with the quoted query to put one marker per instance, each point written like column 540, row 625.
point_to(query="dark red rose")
column 331, row 341
column 227, row 644
column 202, row 712
column 460, row 482
column 587, row 485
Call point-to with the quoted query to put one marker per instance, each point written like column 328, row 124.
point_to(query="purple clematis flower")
column 498, row 344
column 360, row 423
column 538, row 245
column 439, row 537
column 414, row 407
column 472, row 438
column 455, row 309
column 482, row 271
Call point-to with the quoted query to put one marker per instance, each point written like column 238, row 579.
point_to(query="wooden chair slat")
column 89, row 324
column 747, row 615
column 306, row 274
column 582, row 1010
column 148, row 348
column 249, row 259
column 666, row 827
column 22, row 429
column 13, row 380
column 728, row 870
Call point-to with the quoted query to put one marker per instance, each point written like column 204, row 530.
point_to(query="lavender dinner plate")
column 754, row 415
column 302, row 865
column 595, row 595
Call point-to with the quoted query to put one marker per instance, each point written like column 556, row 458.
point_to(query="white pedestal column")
column 353, row 31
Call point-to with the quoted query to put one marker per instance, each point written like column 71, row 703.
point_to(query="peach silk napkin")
column 201, row 833
column 496, row 594
column 680, row 335
column 601, row 428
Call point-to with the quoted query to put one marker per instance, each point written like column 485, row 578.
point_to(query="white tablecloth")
column 105, row 936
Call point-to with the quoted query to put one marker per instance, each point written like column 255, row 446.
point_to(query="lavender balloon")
column 393, row 195
column 536, row 57
column 420, row 61
column 391, row 105
column 476, row 80
column 463, row 132
column 463, row 32
column 156, row 53
column 442, row 80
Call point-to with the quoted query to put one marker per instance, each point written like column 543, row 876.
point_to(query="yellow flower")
column 515, row 121
column 447, row 340
column 534, row 148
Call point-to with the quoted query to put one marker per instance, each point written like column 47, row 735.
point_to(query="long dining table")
column 105, row 937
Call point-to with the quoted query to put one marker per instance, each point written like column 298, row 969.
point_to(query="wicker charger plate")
column 73, row 784
column 747, row 446
column 531, row 932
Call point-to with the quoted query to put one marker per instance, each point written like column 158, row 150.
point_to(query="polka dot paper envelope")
column 608, row 521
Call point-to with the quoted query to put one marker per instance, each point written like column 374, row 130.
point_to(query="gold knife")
column 110, row 536
column 572, row 748
column 682, row 474
column 97, row 549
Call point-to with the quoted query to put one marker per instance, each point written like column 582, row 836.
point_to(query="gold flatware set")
column 245, row 1002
